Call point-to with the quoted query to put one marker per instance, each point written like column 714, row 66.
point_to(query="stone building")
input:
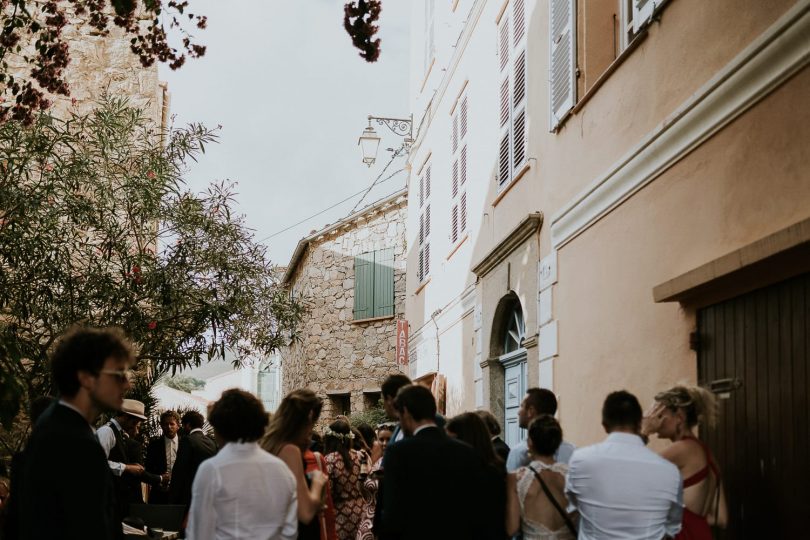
column 351, row 277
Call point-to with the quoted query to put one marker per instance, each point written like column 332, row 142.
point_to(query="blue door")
column 515, row 389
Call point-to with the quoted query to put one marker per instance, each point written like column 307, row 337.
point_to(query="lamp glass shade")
column 369, row 143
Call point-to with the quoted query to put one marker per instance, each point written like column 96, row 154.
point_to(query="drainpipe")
column 433, row 318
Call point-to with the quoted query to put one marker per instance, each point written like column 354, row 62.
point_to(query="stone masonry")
column 344, row 361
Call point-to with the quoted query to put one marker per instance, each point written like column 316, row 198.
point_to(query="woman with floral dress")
column 372, row 483
column 343, row 466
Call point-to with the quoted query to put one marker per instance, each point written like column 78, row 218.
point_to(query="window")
column 458, row 187
column 512, row 92
column 562, row 60
column 268, row 384
column 374, row 284
column 341, row 404
column 423, row 271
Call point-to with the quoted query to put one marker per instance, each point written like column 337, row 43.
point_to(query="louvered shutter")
column 519, row 18
column 463, row 126
column 463, row 167
column 642, row 13
column 421, row 229
column 427, row 261
column 519, row 112
column 454, row 185
column 562, row 51
column 421, row 191
column 420, row 272
column 463, row 218
column 427, row 222
column 383, row 282
column 363, row 285
column 427, row 183
column 454, row 224
column 455, row 133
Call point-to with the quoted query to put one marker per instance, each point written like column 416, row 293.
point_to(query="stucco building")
column 637, row 215
column 351, row 277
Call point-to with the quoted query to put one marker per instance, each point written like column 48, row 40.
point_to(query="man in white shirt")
column 243, row 491
column 621, row 488
column 537, row 402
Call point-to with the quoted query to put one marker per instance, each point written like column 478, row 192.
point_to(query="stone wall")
column 337, row 355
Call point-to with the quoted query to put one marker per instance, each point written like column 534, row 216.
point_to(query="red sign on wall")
column 402, row 342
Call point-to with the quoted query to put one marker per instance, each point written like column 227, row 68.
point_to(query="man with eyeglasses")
column 67, row 487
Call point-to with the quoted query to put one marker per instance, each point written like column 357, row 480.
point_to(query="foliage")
column 96, row 227
column 32, row 37
column 358, row 20
column 373, row 417
column 183, row 383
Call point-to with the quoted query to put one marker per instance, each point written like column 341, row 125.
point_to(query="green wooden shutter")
column 363, row 286
column 384, row 282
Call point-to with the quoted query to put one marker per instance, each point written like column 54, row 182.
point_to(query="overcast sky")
column 292, row 97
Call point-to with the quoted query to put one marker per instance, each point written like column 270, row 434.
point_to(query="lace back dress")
column 533, row 530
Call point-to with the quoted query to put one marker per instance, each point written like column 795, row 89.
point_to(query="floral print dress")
column 347, row 495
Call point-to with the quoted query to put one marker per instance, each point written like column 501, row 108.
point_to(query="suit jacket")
column 67, row 486
column 192, row 450
column 156, row 464
column 501, row 449
column 431, row 485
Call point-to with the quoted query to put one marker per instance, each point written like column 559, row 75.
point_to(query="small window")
column 372, row 400
column 374, row 284
column 341, row 404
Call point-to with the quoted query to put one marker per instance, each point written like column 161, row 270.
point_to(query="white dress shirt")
column 243, row 493
column 170, row 446
column 106, row 437
column 623, row 490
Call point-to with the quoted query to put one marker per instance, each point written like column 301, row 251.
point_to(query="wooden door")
column 514, row 390
column 759, row 343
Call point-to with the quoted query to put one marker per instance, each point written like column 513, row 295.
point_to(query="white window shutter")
column 463, row 220
column 463, row 173
column 519, row 18
column 420, row 272
column 421, row 191
column 427, row 221
column 427, row 261
column 455, row 133
column 562, row 61
column 503, row 46
column 642, row 13
column 454, row 185
column 427, row 183
column 519, row 112
column 421, row 229
column 454, row 224
column 463, row 117
column 503, row 159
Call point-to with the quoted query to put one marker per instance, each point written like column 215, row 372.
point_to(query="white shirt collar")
column 625, row 438
column 195, row 430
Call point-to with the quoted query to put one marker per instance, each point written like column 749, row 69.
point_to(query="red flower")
column 136, row 269
column 48, row 167
column 152, row 325
column 151, row 175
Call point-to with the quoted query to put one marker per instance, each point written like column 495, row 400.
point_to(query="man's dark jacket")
column 191, row 452
column 67, row 487
column 431, row 489
column 156, row 464
column 501, row 448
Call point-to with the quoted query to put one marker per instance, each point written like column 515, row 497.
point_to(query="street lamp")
column 369, row 141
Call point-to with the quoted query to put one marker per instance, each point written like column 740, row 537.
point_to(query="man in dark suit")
column 431, row 480
column 195, row 448
column 161, row 455
column 66, row 486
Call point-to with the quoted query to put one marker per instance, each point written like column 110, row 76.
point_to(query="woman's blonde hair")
column 298, row 409
column 698, row 404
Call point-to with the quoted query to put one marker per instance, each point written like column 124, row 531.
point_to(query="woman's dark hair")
column 470, row 428
column 621, row 409
column 338, row 438
column 369, row 436
column 86, row 349
column 298, row 409
column 238, row 416
column 490, row 421
column 546, row 435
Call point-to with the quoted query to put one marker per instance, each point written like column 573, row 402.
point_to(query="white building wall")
column 465, row 65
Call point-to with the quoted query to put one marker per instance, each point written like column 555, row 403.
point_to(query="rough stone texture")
column 336, row 353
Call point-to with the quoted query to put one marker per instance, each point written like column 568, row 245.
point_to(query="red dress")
column 694, row 526
column 346, row 493
column 313, row 461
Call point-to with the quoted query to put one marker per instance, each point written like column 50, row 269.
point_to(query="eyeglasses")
column 122, row 375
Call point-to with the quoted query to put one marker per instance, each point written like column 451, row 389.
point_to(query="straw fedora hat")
column 133, row 407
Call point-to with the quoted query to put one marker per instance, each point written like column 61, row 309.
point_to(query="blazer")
column 67, row 486
column 156, row 464
column 192, row 450
column 431, row 485
column 501, row 449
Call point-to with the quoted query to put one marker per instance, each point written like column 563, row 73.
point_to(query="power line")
column 350, row 197
column 374, row 183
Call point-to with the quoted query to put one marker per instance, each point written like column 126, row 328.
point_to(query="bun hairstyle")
column 698, row 404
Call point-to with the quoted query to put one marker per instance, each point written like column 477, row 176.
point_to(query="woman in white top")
column 528, row 508
column 242, row 492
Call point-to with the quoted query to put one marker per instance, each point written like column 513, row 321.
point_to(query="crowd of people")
column 418, row 476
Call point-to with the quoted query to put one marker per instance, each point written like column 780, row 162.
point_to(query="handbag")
column 563, row 513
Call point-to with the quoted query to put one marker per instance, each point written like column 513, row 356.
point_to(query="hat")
column 133, row 407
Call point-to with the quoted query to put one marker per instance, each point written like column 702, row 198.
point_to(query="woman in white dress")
column 529, row 506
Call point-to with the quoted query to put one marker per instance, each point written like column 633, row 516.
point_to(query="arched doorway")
column 509, row 331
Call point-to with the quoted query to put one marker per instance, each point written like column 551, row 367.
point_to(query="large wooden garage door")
column 754, row 352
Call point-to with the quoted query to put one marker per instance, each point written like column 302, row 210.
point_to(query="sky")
column 292, row 96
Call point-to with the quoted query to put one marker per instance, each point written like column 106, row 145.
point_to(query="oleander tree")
column 98, row 228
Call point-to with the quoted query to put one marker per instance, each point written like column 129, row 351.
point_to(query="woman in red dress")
column 343, row 466
column 675, row 415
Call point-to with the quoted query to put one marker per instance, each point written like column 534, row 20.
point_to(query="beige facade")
column 343, row 354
